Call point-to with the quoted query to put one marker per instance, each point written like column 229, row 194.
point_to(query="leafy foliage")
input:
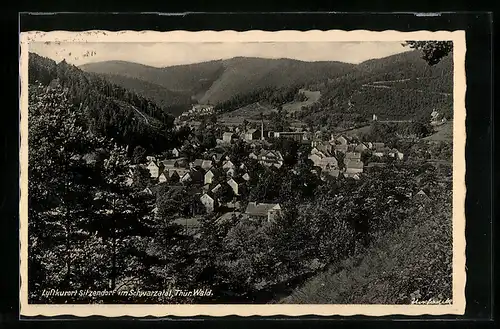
column 111, row 111
column 432, row 51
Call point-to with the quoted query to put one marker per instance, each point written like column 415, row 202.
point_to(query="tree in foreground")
column 432, row 51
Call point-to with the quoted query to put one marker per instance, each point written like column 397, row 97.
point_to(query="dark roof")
column 353, row 155
column 197, row 162
column 206, row 164
column 259, row 209
column 354, row 164
column 376, row 164
column 227, row 216
column 187, row 222
column 170, row 162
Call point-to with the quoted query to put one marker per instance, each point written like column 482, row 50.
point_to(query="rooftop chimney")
column 262, row 129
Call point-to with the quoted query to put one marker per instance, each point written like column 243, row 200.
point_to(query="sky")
column 170, row 53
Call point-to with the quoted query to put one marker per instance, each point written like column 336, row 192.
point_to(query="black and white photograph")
column 242, row 173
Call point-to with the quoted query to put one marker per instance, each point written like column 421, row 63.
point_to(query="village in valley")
column 221, row 181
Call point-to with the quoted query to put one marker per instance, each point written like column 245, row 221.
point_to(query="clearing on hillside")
column 444, row 133
column 251, row 111
column 312, row 97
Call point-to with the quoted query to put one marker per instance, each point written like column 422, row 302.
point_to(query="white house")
column 396, row 154
column 235, row 186
column 227, row 137
column 208, row 202
column 328, row 162
column 175, row 153
column 354, row 166
column 209, row 176
column 206, row 164
column 154, row 169
column 360, row 147
column 315, row 158
column 186, row 178
column 269, row 211
column 162, row 178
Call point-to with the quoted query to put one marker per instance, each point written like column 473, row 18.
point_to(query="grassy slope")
column 243, row 75
column 443, row 133
column 412, row 262
column 312, row 97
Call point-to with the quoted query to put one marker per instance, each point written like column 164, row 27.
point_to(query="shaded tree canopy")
column 433, row 51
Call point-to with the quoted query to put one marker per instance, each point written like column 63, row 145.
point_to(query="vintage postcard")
column 242, row 173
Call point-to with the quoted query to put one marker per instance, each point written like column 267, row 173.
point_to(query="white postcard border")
column 459, row 137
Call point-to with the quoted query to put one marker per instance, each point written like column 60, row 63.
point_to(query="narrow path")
column 142, row 114
column 417, row 90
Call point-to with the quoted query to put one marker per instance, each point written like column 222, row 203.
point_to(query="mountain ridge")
column 218, row 80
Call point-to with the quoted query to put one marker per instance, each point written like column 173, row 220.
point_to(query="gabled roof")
column 216, row 188
column 228, row 134
column 361, row 146
column 217, row 156
column 329, row 160
column 208, row 194
column 342, row 147
column 376, row 164
column 377, row 145
column 170, row 162
column 251, row 131
column 197, row 162
column 331, row 172
column 152, row 163
column 206, row 164
column 261, row 209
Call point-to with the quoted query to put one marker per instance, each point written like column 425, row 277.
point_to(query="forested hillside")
column 218, row 81
column 397, row 87
column 188, row 79
column 376, row 86
column 111, row 110
column 172, row 102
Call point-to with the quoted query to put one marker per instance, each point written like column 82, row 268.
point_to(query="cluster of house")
column 199, row 110
column 201, row 172
column 324, row 155
column 262, row 212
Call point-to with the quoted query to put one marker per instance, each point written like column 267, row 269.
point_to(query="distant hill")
column 216, row 81
column 401, row 86
column 111, row 110
column 172, row 102
column 188, row 79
